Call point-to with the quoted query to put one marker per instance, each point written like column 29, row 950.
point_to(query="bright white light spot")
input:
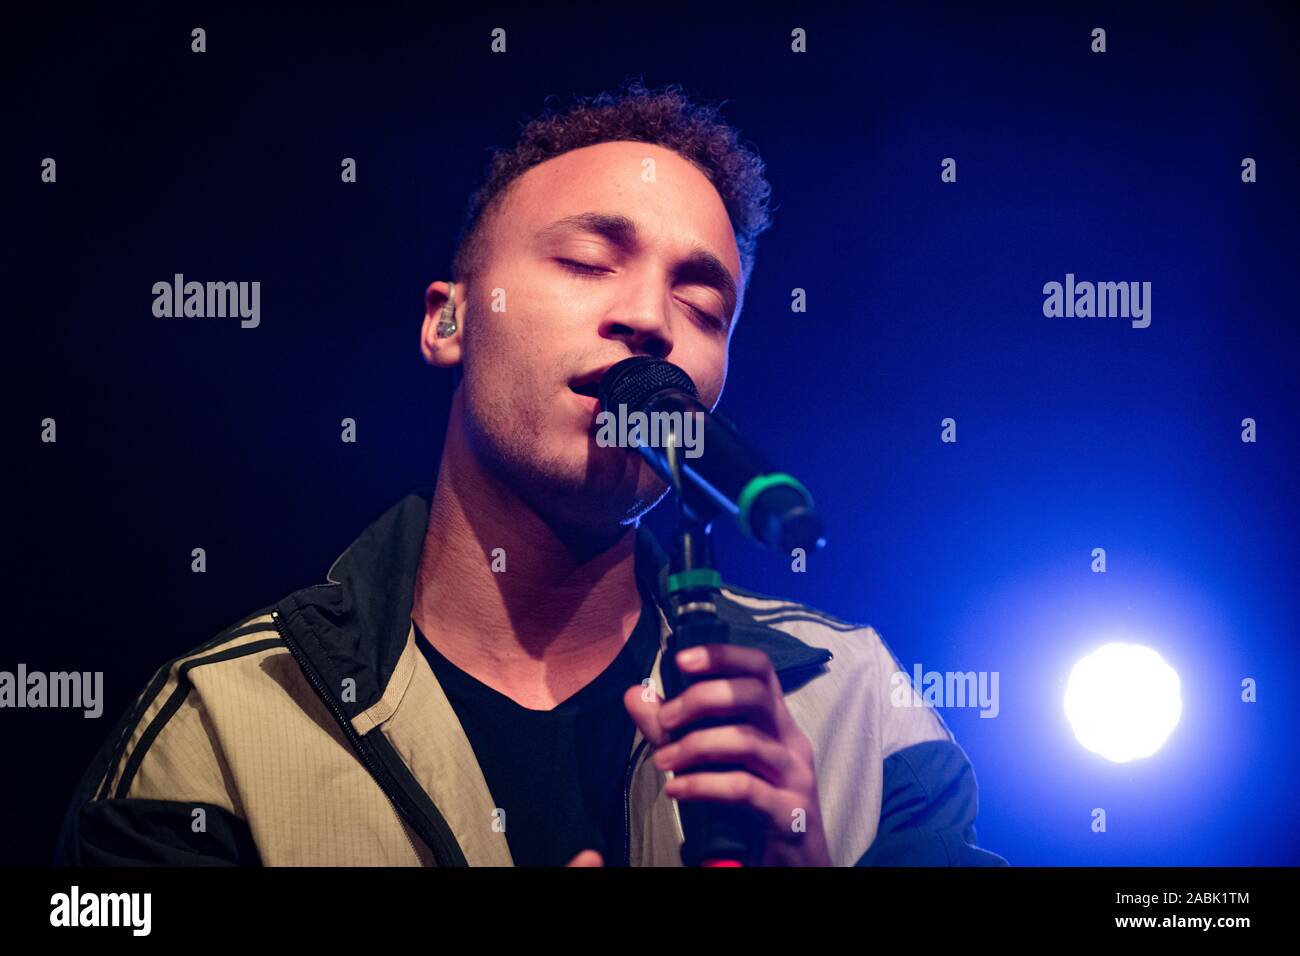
column 1123, row 701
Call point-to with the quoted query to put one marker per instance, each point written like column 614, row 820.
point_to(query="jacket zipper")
column 627, row 804
column 379, row 775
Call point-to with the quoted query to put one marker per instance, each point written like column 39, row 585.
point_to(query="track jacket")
column 315, row 733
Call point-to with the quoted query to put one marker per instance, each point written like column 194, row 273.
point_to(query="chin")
column 600, row 493
column 575, row 483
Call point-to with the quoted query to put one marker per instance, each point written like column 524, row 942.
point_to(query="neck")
column 550, row 622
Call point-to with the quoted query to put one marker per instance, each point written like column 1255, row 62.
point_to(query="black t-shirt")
column 558, row 774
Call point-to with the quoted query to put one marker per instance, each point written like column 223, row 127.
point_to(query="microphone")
column 727, row 476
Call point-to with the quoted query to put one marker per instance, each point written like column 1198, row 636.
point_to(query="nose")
column 641, row 321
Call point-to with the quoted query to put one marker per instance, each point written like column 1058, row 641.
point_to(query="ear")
column 441, row 352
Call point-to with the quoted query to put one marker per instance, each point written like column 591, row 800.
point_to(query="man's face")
column 596, row 255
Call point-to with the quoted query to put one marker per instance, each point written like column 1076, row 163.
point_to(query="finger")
column 735, row 660
column 778, row 806
column 744, row 698
column 587, row 858
column 645, row 713
column 737, row 744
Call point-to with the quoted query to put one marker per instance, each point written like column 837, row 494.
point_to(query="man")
column 478, row 680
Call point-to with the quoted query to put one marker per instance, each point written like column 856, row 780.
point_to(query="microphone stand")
column 717, row 834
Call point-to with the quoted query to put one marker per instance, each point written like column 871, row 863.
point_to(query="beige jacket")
column 315, row 733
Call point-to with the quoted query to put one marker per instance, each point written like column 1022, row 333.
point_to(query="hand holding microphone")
column 739, row 761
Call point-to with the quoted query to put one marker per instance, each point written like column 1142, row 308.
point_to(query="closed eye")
column 708, row 317
column 586, row 270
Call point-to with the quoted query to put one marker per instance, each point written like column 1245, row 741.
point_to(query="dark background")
column 924, row 302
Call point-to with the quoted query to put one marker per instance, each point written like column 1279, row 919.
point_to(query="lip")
column 587, row 402
column 595, row 375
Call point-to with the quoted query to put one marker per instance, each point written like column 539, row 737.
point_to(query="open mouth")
column 587, row 384
column 590, row 389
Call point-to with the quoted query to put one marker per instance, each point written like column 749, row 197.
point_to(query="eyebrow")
column 700, row 265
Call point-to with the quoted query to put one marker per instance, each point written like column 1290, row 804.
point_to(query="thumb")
column 643, row 702
column 587, row 858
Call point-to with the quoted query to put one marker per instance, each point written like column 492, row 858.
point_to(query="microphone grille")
column 634, row 380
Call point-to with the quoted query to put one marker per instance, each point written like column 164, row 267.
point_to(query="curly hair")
column 664, row 117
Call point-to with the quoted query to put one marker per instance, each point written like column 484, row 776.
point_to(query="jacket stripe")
column 129, row 724
column 777, row 608
column 154, row 688
column 806, row 618
column 177, row 698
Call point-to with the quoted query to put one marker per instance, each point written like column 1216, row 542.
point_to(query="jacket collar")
column 356, row 624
